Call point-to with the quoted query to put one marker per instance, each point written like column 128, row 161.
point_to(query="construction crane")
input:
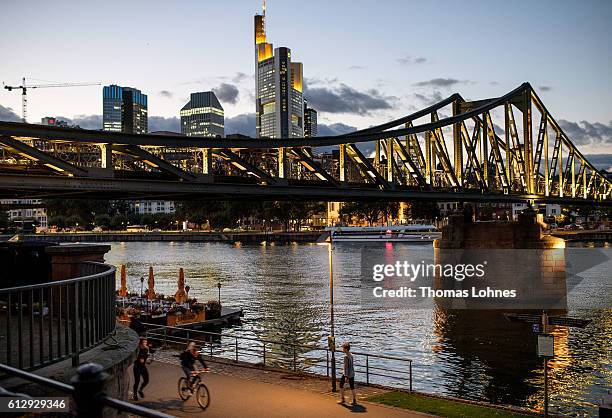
column 24, row 88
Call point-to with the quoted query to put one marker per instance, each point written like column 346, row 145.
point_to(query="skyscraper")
column 124, row 110
column 203, row 116
column 279, row 103
column 310, row 121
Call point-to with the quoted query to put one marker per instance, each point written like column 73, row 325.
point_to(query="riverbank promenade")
column 241, row 392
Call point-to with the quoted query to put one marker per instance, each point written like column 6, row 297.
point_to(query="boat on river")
column 165, row 312
column 417, row 233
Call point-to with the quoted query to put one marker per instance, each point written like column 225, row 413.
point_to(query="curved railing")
column 49, row 322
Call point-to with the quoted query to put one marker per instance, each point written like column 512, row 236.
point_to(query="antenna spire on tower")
column 264, row 7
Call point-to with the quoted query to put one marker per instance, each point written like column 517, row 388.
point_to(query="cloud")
column 345, row 99
column 227, row 93
column 239, row 77
column 7, row 115
column 93, row 122
column 356, row 67
column 439, row 82
column 165, row 93
column 241, row 124
column 429, row 98
column 601, row 161
column 315, row 81
column 409, row 60
column 587, row 133
column 160, row 123
column 545, row 88
column 335, row 129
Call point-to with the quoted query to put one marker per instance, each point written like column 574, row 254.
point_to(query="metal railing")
column 53, row 321
column 369, row 368
column 87, row 391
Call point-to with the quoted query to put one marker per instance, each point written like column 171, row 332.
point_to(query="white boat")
column 395, row 233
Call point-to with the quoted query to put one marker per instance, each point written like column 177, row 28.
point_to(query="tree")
column 4, row 219
column 302, row 211
column 371, row 212
column 147, row 220
column 421, row 209
column 74, row 220
column 85, row 209
column 118, row 222
column 163, row 220
column 485, row 213
column 58, row 221
column 103, row 220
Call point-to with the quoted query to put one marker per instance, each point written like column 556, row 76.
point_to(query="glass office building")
column 203, row 116
column 124, row 109
column 279, row 102
column 310, row 121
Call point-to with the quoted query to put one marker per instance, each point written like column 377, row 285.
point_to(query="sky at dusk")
column 365, row 62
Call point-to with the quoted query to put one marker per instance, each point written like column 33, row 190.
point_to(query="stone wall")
column 525, row 233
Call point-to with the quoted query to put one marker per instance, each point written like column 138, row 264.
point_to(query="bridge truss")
column 504, row 149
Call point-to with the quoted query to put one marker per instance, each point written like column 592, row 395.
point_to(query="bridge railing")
column 49, row 322
column 370, row 368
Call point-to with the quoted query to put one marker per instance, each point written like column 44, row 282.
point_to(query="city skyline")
column 359, row 72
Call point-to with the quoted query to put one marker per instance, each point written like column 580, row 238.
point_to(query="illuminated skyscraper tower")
column 124, row 110
column 279, row 103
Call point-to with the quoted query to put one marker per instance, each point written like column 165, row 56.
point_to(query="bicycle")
column 198, row 387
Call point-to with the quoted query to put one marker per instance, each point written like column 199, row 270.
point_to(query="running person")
column 348, row 373
column 140, row 368
column 188, row 359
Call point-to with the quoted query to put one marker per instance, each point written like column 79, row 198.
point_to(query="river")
column 475, row 355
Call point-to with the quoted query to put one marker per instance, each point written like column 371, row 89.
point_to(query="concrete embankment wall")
column 243, row 237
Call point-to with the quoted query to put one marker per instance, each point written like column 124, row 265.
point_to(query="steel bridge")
column 504, row 149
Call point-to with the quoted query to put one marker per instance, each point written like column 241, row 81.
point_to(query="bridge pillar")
column 546, row 165
column 560, row 162
column 428, row 158
column 342, row 162
column 389, row 152
column 458, row 149
column 106, row 156
column 206, row 161
column 528, row 140
column 282, row 160
column 484, row 148
column 573, row 177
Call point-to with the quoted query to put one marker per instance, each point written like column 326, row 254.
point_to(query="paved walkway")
column 244, row 392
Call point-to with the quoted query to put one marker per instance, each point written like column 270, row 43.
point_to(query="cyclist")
column 188, row 359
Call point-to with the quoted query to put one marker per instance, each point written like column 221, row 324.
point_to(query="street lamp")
column 187, row 291
column 331, row 341
column 219, row 287
column 141, row 287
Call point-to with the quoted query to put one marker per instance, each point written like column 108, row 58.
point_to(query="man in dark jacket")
column 140, row 368
column 348, row 373
column 188, row 359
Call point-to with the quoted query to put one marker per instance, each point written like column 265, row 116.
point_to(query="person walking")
column 140, row 368
column 348, row 373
